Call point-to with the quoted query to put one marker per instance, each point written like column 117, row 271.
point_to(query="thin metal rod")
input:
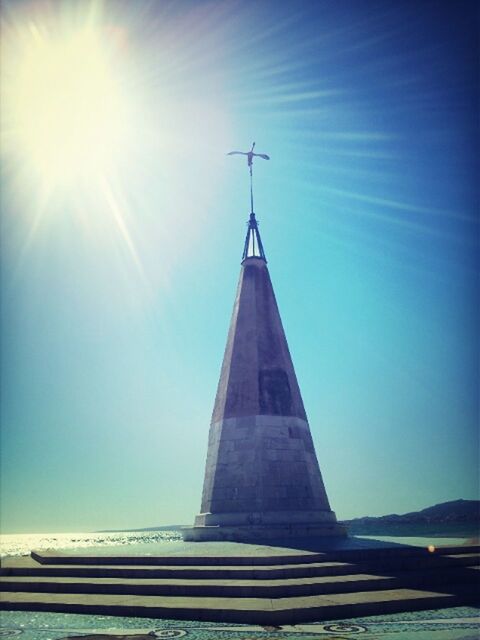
column 245, row 247
column 260, row 245
column 251, row 190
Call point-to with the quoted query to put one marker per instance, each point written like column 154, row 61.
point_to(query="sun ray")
column 121, row 224
column 402, row 206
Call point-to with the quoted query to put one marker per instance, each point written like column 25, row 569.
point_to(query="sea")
column 147, row 542
column 133, row 542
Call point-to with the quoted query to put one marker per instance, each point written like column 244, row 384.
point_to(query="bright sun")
column 90, row 109
column 64, row 109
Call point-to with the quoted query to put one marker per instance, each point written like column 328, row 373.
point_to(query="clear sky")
column 123, row 227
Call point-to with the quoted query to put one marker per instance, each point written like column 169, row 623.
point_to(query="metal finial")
column 253, row 247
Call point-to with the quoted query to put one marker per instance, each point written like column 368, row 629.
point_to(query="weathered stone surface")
column 254, row 470
column 257, row 375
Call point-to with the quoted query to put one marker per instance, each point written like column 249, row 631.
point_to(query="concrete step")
column 427, row 561
column 375, row 553
column 302, row 557
column 195, row 588
column 29, row 567
column 253, row 610
column 238, row 588
column 267, row 558
column 183, row 572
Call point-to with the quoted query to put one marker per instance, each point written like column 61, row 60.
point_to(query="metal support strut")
column 253, row 247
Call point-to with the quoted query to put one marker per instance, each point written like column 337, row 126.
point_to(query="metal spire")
column 253, row 247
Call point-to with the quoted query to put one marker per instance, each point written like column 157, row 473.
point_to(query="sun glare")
column 64, row 109
column 91, row 110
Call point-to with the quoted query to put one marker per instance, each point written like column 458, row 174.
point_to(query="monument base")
column 249, row 584
column 256, row 533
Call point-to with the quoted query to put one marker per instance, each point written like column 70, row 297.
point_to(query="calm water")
column 137, row 541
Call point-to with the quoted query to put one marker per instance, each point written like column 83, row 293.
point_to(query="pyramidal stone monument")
column 262, row 478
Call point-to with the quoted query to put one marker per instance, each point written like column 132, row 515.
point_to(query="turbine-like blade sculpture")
column 250, row 155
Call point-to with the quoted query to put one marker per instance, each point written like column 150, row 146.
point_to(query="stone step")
column 237, row 588
column 194, row 588
column 428, row 561
column 182, row 572
column 55, row 557
column 303, row 557
column 397, row 551
column 252, row 610
column 29, row 567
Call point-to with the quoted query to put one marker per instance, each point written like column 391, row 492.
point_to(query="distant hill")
column 454, row 518
column 453, row 511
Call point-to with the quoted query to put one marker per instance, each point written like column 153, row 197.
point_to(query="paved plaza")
column 460, row 623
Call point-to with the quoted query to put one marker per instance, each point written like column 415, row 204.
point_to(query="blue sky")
column 120, row 262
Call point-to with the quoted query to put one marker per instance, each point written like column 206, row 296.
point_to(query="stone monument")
column 262, row 478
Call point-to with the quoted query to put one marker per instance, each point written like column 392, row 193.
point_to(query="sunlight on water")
column 22, row 544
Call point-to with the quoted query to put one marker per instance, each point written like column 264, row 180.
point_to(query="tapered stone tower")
column 262, row 479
